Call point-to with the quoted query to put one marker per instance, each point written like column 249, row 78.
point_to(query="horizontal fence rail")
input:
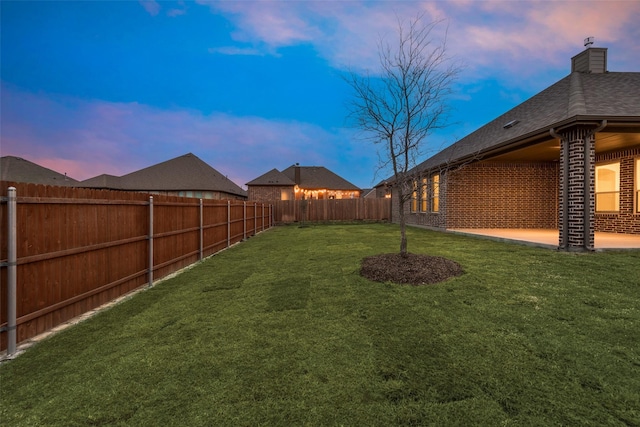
column 328, row 210
column 65, row 251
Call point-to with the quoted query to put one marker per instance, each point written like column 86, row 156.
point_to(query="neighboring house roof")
column 185, row 172
column 17, row 169
column 317, row 177
column 103, row 181
column 272, row 178
column 368, row 192
column 579, row 97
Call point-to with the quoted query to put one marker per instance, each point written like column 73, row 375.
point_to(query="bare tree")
column 404, row 102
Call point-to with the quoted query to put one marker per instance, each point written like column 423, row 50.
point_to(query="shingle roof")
column 187, row 172
column 580, row 96
column 18, row 169
column 102, row 181
column 318, row 177
column 273, row 177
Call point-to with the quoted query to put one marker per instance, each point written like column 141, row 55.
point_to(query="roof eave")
column 539, row 135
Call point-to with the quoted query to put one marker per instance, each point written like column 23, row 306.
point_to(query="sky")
column 111, row 87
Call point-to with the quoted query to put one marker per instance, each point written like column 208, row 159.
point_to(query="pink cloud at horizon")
column 100, row 137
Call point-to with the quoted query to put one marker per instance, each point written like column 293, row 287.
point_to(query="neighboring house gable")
column 186, row 176
column 273, row 185
column 381, row 190
column 17, row 169
column 318, row 182
column 104, row 181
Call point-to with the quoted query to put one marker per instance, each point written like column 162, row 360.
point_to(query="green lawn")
column 282, row 331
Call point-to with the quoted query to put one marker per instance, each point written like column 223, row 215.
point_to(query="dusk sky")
column 111, row 87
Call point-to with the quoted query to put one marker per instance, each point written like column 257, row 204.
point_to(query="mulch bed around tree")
column 412, row 269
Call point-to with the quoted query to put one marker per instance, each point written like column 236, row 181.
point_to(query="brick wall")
column 428, row 219
column 625, row 221
column 503, row 195
column 269, row 193
column 522, row 195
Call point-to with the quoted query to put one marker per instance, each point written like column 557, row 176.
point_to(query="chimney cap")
column 589, row 41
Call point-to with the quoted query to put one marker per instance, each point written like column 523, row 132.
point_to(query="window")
column 435, row 197
column 638, row 185
column 423, row 196
column 608, row 187
column 414, row 197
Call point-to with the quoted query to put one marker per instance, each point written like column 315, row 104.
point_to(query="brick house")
column 301, row 182
column 566, row 159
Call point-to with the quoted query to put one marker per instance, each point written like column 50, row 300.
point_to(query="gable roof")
column 579, row 97
column 18, row 169
column 186, row 172
column 103, row 181
column 273, row 177
column 317, row 177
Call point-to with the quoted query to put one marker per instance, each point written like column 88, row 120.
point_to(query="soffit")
column 549, row 150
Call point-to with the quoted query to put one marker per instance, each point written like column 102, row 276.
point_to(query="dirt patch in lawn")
column 412, row 269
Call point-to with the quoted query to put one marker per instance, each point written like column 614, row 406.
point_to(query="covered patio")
column 549, row 238
column 562, row 169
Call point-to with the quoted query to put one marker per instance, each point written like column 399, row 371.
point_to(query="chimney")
column 297, row 173
column 590, row 60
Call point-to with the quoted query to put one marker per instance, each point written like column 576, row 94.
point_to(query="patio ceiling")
column 549, row 149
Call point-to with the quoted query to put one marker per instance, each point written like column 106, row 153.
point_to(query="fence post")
column 201, row 232
column 150, row 273
column 244, row 219
column 12, row 259
column 255, row 218
column 228, row 223
column 262, row 218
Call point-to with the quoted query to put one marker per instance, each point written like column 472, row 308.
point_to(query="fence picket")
column 327, row 210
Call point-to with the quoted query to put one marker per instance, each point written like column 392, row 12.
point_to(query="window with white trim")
column 423, row 196
column 608, row 187
column 414, row 197
column 638, row 185
column 435, row 196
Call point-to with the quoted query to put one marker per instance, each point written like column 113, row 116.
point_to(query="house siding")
column 197, row 194
column 625, row 221
column 269, row 193
column 503, row 195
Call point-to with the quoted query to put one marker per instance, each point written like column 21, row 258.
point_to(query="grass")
column 282, row 330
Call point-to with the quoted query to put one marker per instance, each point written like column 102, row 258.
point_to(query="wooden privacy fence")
column 70, row 250
column 326, row 210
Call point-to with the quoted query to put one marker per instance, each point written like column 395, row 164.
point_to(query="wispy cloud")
column 151, row 6
column 512, row 37
column 89, row 138
column 275, row 24
column 234, row 50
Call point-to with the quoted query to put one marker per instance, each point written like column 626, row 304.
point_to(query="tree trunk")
column 403, row 224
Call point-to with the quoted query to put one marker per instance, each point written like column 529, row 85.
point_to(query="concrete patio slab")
column 549, row 237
